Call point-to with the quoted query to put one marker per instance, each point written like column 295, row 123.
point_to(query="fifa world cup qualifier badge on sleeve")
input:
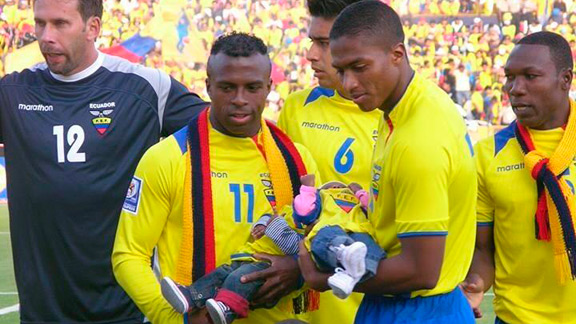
column 132, row 200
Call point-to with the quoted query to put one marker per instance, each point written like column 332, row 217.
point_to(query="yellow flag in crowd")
column 23, row 58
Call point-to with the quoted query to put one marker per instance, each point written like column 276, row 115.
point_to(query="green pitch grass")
column 8, row 296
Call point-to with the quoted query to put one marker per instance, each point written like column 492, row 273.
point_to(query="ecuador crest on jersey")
column 346, row 200
column 374, row 185
column 268, row 190
column 102, row 120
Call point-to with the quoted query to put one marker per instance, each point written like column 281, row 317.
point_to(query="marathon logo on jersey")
column 101, row 112
column 511, row 167
column 132, row 200
column 38, row 107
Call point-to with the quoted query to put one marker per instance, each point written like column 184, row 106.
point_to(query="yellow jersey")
column 423, row 180
column 526, row 288
column 153, row 217
column 341, row 139
column 337, row 133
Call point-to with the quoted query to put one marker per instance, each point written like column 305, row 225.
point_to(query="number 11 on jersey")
column 248, row 189
column 75, row 138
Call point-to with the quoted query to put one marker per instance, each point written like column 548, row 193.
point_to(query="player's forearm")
column 483, row 265
column 137, row 279
column 398, row 275
column 483, row 260
column 417, row 267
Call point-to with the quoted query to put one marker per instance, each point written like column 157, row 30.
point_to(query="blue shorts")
column 440, row 309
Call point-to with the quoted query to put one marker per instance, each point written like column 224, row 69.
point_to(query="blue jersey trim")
column 470, row 146
column 502, row 137
column 413, row 234
column 180, row 137
column 240, row 256
column 318, row 92
column 485, row 224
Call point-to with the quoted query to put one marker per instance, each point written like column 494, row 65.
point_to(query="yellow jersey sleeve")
column 485, row 204
column 424, row 182
column 141, row 224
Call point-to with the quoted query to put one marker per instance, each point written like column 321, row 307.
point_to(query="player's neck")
column 91, row 57
column 398, row 92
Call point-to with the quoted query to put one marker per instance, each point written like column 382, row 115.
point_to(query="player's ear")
column 398, row 53
column 93, row 27
column 566, row 77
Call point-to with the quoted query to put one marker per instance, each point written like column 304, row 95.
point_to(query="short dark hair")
column 90, row 8
column 370, row 17
column 328, row 8
column 559, row 48
column 238, row 45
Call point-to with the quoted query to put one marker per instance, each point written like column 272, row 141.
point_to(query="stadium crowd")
column 462, row 45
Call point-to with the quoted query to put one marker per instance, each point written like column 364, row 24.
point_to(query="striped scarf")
column 198, row 249
column 556, row 209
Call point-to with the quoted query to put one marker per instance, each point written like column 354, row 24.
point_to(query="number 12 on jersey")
column 75, row 138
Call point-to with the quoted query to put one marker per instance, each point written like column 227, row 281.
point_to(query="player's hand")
column 309, row 228
column 258, row 231
column 354, row 187
column 308, row 180
column 314, row 278
column 473, row 288
column 199, row 317
column 281, row 278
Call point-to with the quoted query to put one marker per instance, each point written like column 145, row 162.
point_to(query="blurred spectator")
column 462, row 85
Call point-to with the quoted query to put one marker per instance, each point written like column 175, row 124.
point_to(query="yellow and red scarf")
column 198, row 251
column 556, row 211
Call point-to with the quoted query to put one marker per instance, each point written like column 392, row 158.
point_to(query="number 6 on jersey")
column 75, row 139
column 344, row 153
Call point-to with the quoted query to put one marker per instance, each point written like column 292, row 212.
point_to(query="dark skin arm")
column 417, row 267
column 281, row 278
column 481, row 275
column 199, row 317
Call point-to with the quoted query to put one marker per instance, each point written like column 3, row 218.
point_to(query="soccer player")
column 338, row 134
column 196, row 194
column 526, row 205
column 74, row 130
column 423, row 188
